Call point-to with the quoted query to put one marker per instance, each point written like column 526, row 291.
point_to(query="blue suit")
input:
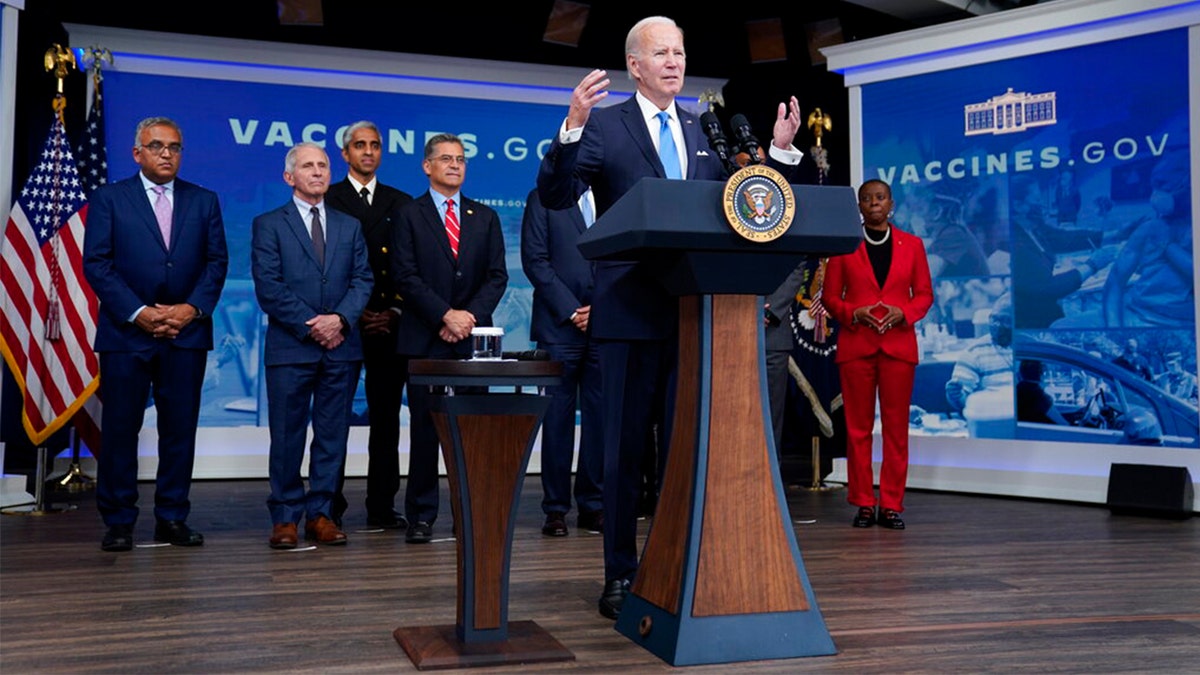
column 432, row 281
column 129, row 266
column 633, row 319
column 562, row 282
column 292, row 288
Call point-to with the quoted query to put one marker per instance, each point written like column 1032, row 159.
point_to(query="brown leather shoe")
column 323, row 531
column 283, row 535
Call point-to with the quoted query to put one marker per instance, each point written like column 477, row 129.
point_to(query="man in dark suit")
column 779, row 342
column 377, row 208
column 312, row 280
column 562, row 303
column 448, row 262
column 633, row 319
column 154, row 252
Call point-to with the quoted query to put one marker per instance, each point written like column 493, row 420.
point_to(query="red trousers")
column 892, row 380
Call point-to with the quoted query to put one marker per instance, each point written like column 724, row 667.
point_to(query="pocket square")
column 702, row 153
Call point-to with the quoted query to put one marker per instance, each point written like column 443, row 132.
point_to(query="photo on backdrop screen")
column 1052, row 192
column 236, row 134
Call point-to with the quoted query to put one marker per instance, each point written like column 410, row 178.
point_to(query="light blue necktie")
column 585, row 207
column 666, row 148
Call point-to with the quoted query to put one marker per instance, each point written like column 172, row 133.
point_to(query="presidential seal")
column 759, row 203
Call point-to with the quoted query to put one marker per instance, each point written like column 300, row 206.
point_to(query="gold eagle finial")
column 819, row 122
column 60, row 61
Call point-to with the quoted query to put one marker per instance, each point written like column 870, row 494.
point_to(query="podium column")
column 721, row 578
column 486, row 441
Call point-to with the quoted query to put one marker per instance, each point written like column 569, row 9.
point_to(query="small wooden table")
column 486, row 441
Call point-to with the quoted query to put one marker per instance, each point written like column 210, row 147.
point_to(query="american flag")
column 92, row 159
column 48, row 308
column 91, row 155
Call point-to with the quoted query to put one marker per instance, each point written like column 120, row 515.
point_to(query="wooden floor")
column 975, row 584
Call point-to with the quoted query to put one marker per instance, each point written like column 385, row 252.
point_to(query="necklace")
column 881, row 241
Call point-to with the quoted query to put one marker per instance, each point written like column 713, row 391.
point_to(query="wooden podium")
column 721, row 578
column 486, row 441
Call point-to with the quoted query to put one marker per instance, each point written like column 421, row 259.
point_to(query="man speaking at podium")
column 634, row 321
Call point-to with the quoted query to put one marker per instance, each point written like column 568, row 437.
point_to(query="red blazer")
column 850, row 283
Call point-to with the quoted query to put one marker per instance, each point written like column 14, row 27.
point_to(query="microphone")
column 527, row 355
column 716, row 139
column 747, row 143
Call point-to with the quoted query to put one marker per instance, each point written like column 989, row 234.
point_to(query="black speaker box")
column 1146, row 490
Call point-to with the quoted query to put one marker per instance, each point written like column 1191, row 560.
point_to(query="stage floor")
column 977, row 584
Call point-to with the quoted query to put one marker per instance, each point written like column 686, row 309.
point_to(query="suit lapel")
column 437, row 227
column 142, row 207
column 295, row 223
column 182, row 201
column 641, row 136
column 691, row 139
column 863, row 262
column 333, row 233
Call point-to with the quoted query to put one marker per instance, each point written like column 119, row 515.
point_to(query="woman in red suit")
column 877, row 294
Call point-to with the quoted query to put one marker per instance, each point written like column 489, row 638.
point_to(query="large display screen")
column 1052, row 192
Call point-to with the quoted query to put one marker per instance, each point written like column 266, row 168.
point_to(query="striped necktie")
column 452, row 229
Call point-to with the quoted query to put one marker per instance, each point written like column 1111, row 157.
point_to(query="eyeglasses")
column 157, row 147
column 450, row 159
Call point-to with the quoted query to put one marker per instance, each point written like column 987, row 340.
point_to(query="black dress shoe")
column 591, row 521
column 556, row 524
column 387, row 520
column 865, row 517
column 613, row 598
column 118, row 538
column 177, row 533
column 419, row 532
column 890, row 519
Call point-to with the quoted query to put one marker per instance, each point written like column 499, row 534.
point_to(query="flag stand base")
column 74, row 481
column 39, row 506
column 817, row 484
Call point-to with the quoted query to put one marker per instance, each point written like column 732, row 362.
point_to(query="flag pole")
column 60, row 61
column 75, row 480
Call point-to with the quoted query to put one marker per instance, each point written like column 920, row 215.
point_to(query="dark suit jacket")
column 614, row 153
column 850, row 283
column 291, row 287
column 562, row 278
column 377, row 223
column 778, row 334
column 433, row 281
column 128, row 265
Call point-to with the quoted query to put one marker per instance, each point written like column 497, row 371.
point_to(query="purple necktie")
column 162, row 211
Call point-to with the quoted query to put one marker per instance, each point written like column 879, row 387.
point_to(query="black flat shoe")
column 865, row 517
column 386, row 520
column 419, row 532
column 890, row 519
column 613, row 598
column 177, row 533
column 118, row 538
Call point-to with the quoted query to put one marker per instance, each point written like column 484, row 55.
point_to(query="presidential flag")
column 92, row 160
column 48, row 309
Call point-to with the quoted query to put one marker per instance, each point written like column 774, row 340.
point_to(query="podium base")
column 689, row 640
column 438, row 647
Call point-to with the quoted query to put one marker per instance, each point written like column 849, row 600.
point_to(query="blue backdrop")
column 235, row 137
column 1053, row 195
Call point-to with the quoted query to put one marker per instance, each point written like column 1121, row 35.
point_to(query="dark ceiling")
column 716, row 36
column 506, row 31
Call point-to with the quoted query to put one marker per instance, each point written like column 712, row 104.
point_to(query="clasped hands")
column 879, row 316
column 326, row 330
column 377, row 323
column 165, row 321
column 456, row 325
